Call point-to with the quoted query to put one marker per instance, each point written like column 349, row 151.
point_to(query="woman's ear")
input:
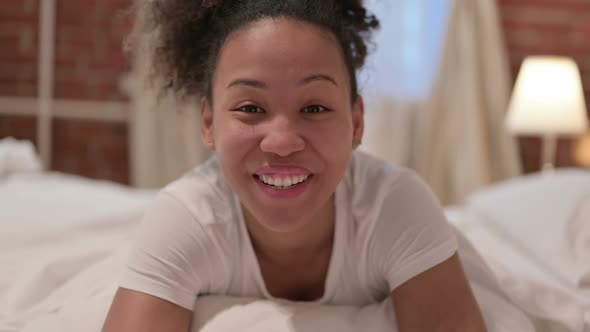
column 207, row 124
column 358, row 121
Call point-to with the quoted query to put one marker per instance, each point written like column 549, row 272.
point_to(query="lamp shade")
column 548, row 98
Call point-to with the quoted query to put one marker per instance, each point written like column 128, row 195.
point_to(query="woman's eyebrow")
column 247, row 82
column 262, row 85
column 317, row 77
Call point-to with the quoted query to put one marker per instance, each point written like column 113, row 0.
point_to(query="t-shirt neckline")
column 335, row 257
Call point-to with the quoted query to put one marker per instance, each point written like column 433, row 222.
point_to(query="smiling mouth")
column 283, row 183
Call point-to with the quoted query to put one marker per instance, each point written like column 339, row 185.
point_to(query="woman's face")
column 282, row 124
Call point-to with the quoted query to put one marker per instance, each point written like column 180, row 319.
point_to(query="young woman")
column 286, row 208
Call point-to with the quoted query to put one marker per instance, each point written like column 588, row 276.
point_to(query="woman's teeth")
column 283, row 182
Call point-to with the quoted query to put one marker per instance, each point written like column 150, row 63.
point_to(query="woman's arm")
column 166, row 268
column 133, row 311
column 438, row 299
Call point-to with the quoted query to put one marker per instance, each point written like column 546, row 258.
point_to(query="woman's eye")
column 314, row 109
column 250, row 109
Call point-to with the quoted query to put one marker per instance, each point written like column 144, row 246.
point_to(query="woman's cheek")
column 233, row 135
column 334, row 137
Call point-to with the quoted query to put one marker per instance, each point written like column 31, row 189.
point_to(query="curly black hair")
column 187, row 35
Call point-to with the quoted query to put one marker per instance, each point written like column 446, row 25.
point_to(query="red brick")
column 24, row 128
column 578, row 5
column 89, row 64
column 93, row 149
column 90, row 53
column 19, row 9
column 18, row 42
column 113, row 61
column 19, row 89
column 551, row 27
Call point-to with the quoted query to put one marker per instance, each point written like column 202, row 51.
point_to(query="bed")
column 534, row 233
column 64, row 238
column 52, row 227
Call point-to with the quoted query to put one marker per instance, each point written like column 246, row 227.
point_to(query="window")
column 408, row 47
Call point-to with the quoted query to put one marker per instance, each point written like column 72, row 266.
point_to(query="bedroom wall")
column 89, row 64
column 555, row 27
column 18, row 61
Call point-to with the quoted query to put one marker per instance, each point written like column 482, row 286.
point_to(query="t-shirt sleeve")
column 169, row 258
column 412, row 233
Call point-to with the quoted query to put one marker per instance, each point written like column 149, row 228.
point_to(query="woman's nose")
column 282, row 138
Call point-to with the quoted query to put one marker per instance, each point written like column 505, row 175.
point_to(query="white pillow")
column 533, row 213
column 223, row 314
column 577, row 239
column 81, row 304
column 18, row 156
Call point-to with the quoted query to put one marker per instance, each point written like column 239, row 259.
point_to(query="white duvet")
column 81, row 305
column 73, row 294
column 59, row 274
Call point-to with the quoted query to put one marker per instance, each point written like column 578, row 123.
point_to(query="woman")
column 286, row 208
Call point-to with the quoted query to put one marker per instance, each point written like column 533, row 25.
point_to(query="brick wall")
column 553, row 27
column 89, row 63
column 88, row 66
column 89, row 60
column 18, row 42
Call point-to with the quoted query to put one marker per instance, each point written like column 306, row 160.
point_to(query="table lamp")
column 582, row 151
column 548, row 100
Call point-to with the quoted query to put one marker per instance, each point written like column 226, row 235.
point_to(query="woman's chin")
column 282, row 223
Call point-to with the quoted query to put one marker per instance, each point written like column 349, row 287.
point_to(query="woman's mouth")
column 282, row 182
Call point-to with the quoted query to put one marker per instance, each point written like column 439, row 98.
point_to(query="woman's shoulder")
column 399, row 220
column 370, row 175
column 203, row 192
column 374, row 185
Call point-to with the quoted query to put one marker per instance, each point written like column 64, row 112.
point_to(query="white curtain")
column 164, row 132
column 399, row 72
column 165, row 140
column 441, row 94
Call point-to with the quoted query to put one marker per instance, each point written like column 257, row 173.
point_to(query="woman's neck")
column 315, row 236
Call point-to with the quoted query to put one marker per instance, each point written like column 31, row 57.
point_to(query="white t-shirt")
column 193, row 241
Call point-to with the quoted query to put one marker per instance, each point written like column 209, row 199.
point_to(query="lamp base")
column 548, row 169
column 549, row 149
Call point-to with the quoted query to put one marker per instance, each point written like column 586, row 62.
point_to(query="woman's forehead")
column 284, row 49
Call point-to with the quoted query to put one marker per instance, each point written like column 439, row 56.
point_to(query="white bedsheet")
column 59, row 274
column 534, row 213
column 32, row 204
column 76, row 298
column 53, row 226
column 552, row 304
column 81, row 304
